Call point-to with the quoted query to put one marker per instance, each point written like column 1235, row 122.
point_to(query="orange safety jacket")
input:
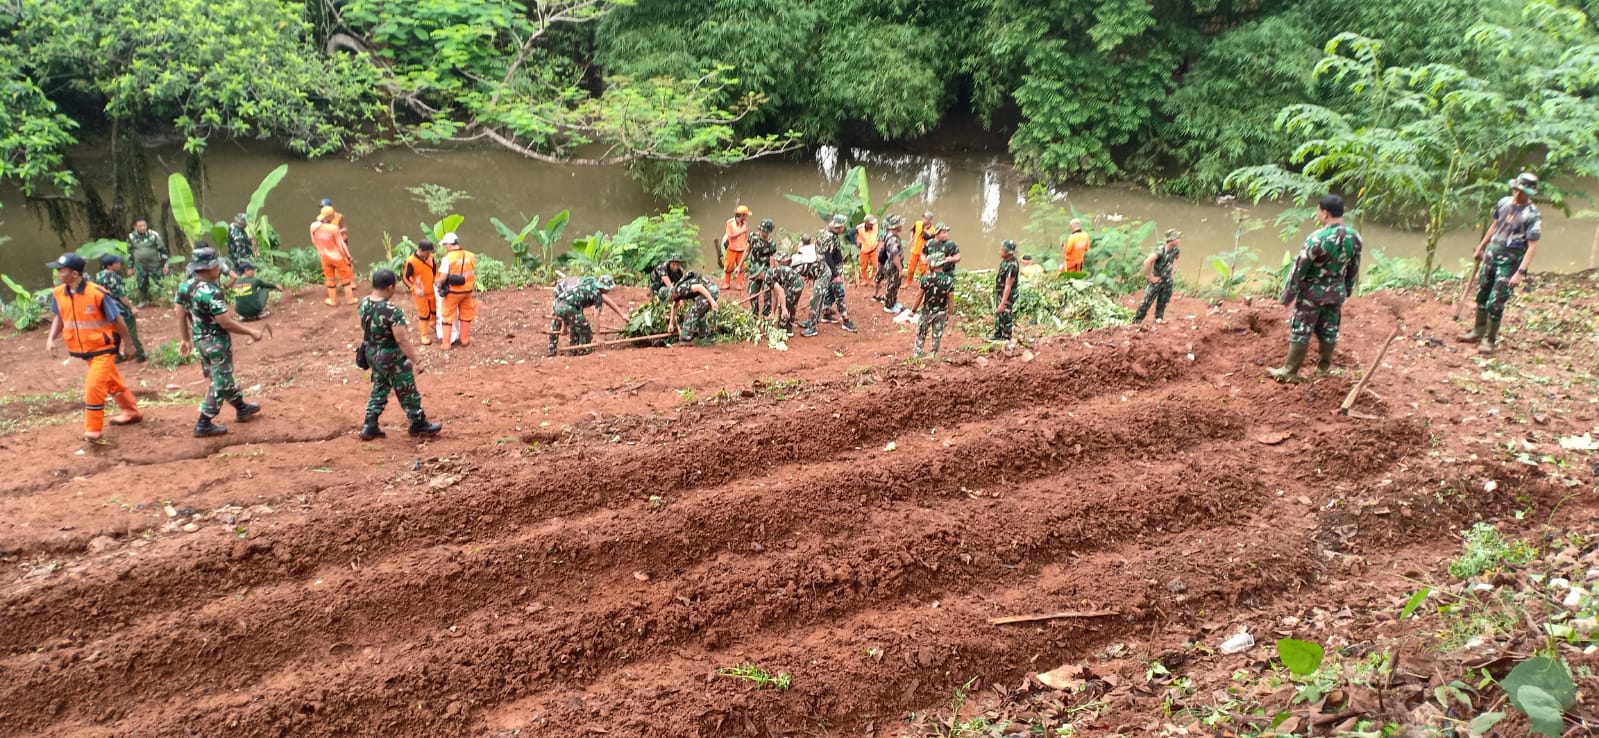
column 866, row 238
column 459, row 263
column 420, row 273
column 738, row 236
column 918, row 237
column 83, row 321
column 328, row 240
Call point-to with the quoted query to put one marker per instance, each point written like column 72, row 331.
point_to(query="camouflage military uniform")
column 147, row 254
column 1159, row 293
column 204, row 301
column 785, row 277
column 658, row 281
column 238, row 245
column 694, row 322
column 937, row 288
column 760, row 255
column 571, row 299
column 944, row 249
column 1005, row 315
column 890, row 267
column 1323, row 276
column 116, row 285
column 828, row 289
column 1508, row 246
column 391, row 370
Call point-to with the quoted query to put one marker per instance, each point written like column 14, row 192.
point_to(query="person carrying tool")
column 386, row 346
column 700, row 293
column 921, row 232
column 338, row 269
column 1504, row 255
column 149, row 254
column 890, row 263
column 1074, row 249
column 456, row 280
column 206, row 325
column 1159, row 268
column 573, row 295
column 1322, row 278
column 783, row 286
column 112, row 280
column 91, row 321
column 421, row 268
column 736, row 242
column 665, row 276
column 760, row 258
column 867, row 239
column 1006, row 283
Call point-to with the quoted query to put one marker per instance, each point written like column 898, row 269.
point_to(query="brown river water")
column 978, row 195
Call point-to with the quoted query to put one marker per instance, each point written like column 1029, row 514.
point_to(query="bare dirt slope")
column 592, row 538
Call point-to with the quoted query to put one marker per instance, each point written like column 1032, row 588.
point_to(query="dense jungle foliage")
column 1174, row 94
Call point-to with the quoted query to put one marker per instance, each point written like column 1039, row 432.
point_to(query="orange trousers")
column 104, row 381
column 868, row 266
column 426, row 305
column 337, row 273
column 912, row 266
column 733, row 263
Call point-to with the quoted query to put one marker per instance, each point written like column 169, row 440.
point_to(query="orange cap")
column 326, row 211
column 742, row 210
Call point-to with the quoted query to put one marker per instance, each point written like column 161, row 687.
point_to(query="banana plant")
column 185, row 210
column 98, row 248
column 545, row 237
column 448, row 224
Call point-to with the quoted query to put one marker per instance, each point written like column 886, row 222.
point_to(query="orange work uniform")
column 420, row 271
column 914, row 264
column 738, row 244
column 458, row 298
column 89, row 325
column 336, row 267
column 1073, row 251
column 867, row 240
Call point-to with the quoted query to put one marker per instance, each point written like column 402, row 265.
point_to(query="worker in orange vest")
column 338, row 219
column 1074, row 249
column 737, row 243
column 421, row 268
column 91, row 322
column 457, row 277
column 338, row 269
column 921, row 233
column 866, row 240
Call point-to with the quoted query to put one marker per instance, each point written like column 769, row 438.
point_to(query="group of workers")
column 97, row 319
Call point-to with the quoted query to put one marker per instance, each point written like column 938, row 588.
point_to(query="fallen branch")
column 616, row 342
column 1052, row 616
column 1354, row 394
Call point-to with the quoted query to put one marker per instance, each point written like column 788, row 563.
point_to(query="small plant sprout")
column 780, row 681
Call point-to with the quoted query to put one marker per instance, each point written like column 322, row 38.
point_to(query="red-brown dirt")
column 592, row 538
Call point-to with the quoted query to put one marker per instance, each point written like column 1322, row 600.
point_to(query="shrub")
column 1058, row 303
column 1485, row 549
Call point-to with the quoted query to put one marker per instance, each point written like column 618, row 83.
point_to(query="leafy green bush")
column 1384, row 273
column 1057, row 303
column 27, row 309
column 169, row 355
column 1485, row 549
column 637, row 248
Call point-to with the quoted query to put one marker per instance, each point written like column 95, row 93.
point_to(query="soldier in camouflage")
column 891, row 264
column 760, row 256
column 115, row 284
column 827, row 291
column 700, row 294
column 573, row 295
column 204, row 318
column 783, row 287
column 1006, row 282
column 932, row 310
column 1323, row 277
column 391, row 358
column 241, row 246
column 149, row 254
column 1159, row 269
column 1505, row 253
column 665, row 276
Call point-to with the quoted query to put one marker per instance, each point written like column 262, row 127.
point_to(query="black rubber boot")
column 205, row 428
column 245, row 410
column 1478, row 329
column 421, row 427
column 1490, row 339
column 1325, row 365
column 849, row 325
column 1289, row 372
column 372, row 430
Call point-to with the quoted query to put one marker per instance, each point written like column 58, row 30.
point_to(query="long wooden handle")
column 616, row 342
column 1466, row 288
column 1365, row 379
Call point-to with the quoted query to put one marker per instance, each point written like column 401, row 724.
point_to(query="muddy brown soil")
column 592, row 538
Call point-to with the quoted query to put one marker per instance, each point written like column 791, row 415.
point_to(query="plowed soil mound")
column 593, row 537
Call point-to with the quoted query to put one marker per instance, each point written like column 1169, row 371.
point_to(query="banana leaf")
column 258, row 200
column 183, row 207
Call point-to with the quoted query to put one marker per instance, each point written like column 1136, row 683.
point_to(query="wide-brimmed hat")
column 1526, row 182
column 607, row 282
column 1172, row 234
column 204, row 258
column 741, row 210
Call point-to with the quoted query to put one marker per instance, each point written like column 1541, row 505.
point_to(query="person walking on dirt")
column 456, row 280
column 241, row 245
column 114, row 283
column 1159, row 268
column 760, row 260
column 932, row 309
column 828, row 289
column 1322, row 278
column 250, row 293
column 149, row 254
column 1508, row 246
column 783, row 286
column 421, row 268
column 1006, row 283
column 665, row 276
column 338, row 269
column 1074, row 249
column 921, row 232
column 386, row 345
column 867, row 241
column 737, row 243
column 700, row 294
column 91, row 321
column 206, row 325
column 572, row 297
column 891, row 262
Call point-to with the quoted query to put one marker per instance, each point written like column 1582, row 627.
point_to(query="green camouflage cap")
column 1172, row 234
column 607, row 282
